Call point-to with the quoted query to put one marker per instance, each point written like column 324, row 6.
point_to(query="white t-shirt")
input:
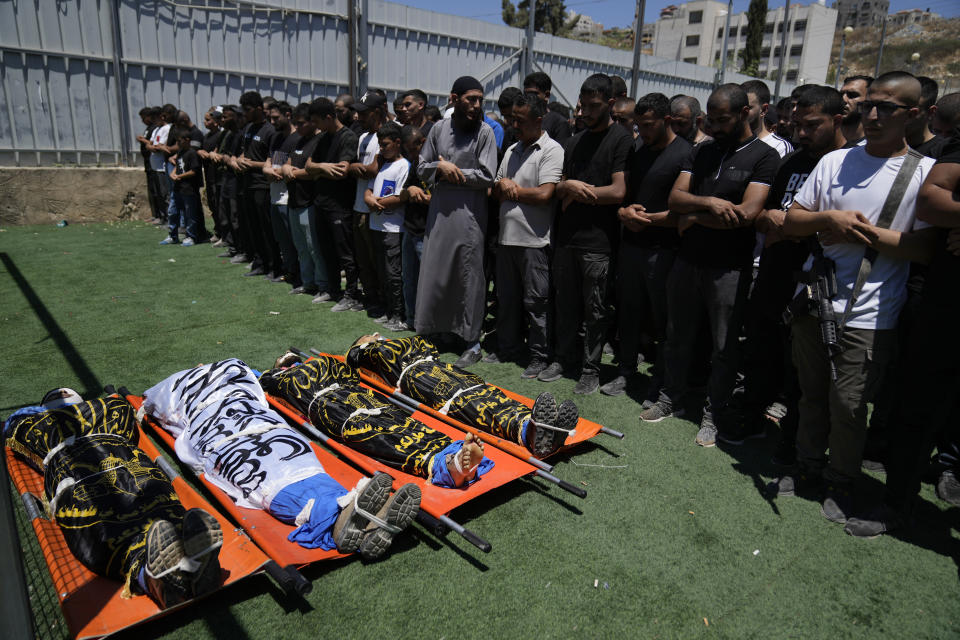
column 853, row 180
column 158, row 161
column 782, row 146
column 390, row 180
column 367, row 149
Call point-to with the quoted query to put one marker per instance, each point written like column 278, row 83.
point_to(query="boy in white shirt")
column 385, row 197
column 841, row 201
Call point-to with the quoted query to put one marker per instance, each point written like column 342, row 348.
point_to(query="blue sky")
column 619, row 13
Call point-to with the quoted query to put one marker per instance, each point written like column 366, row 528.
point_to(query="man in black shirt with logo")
column 335, row 190
column 721, row 189
column 770, row 374
column 254, row 189
column 592, row 188
column 648, row 245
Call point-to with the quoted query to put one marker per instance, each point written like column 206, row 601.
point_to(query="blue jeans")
column 187, row 206
column 410, row 253
column 313, row 271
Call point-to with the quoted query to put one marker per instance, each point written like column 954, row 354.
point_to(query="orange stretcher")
column 269, row 533
column 436, row 501
column 91, row 604
column 584, row 430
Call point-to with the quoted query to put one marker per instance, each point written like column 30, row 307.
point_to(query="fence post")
column 120, row 86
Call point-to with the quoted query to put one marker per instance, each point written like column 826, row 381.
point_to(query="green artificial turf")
column 673, row 541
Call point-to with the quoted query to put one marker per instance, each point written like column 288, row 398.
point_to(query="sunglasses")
column 884, row 108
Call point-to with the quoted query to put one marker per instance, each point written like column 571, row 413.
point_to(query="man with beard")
column 854, row 92
column 686, row 119
column 459, row 161
column 592, row 188
column 648, row 245
column 770, row 374
column 872, row 243
column 720, row 191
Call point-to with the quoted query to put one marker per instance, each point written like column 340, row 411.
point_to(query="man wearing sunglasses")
column 842, row 201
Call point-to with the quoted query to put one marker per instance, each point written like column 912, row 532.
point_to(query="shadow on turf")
column 55, row 332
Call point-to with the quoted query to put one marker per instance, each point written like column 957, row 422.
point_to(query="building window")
column 696, row 17
column 716, row 55
column 691, row 60
column 800, row 25
column 720, row 32
column 780, row 28
column 776, row 52
column 792, row 74
column 765, row 52
column 733, row 32
column 768, row 28
column 693, row 41
column 796, row 49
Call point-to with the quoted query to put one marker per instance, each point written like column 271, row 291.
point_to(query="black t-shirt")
column 188, row 161
column 336, row 147
column 427, row 125
column 230, row 146
column 593, row 157
column 415, row 214
column 944, row 271
column 211, row 141
column 143, row 147
column 933, row 147
column 725, row 173
column 302, row 192
column 556, row 126
column 652, row 173
column 256, row 147
column 196, row 138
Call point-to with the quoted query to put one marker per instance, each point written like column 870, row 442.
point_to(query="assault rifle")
column 820, row 287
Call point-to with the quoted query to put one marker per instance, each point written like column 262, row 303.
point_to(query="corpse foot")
column 463, row 465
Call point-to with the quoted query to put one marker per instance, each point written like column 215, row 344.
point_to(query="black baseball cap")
column 370, row 100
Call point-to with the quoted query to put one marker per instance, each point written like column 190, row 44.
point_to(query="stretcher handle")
column 412, row 405
column 433, row 525
column 563, row 484
column 109, row 389
column 611, row 432
column 289, row 579
column 468, row 535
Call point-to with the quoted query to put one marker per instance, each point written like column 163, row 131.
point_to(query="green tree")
column 756, row 21
column 551, row 16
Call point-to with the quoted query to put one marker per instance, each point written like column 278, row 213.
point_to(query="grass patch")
column 668, row 531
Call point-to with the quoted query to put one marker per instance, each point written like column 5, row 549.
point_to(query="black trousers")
column 523, row 295
column 158, row 194
column 386, row 249
column 366, row 258
column 255, row 225
column 228, row 221
column 580, row 285
column 337, row 226
column 931, row 364
column 642, row 301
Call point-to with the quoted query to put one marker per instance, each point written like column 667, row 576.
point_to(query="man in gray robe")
column 458, row 161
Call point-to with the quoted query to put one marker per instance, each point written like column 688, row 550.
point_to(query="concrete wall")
column 46, row 195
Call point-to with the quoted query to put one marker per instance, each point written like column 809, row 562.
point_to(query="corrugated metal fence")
column 64, row 102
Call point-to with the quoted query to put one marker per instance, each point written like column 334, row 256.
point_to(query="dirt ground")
column 48, row 195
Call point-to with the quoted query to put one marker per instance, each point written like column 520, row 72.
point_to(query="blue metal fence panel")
column 66, row 100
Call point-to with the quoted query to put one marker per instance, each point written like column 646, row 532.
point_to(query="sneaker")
column 880, row 520
column 742, row 432
column 376, row 312
column 369, row 497
column 837, row 504
column 254, row 272
column 346, row 304
column 873, row 465
column 707, row 435
column 491, row 358
column 552, row 373
column 357, row 305
column 218, row 242
column 534, row 369
column 543, row 415
column 658, row 411
column 297, row 291
column 164, row 581
column 187, row 242
column 616, row 387
column 588, row 383
column 798, row 483
column 381, row 319
column 169, row 240
column 202, row 539
column 396, row 514
column 321, row 297
column 157, row 221
column 276, row 277
column 948, row 488
column 469, row 358
column 398, row 325
column 648, row 403
column 240, row 258
column 225, row 254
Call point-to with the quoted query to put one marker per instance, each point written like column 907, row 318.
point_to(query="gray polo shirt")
column 527, row 225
